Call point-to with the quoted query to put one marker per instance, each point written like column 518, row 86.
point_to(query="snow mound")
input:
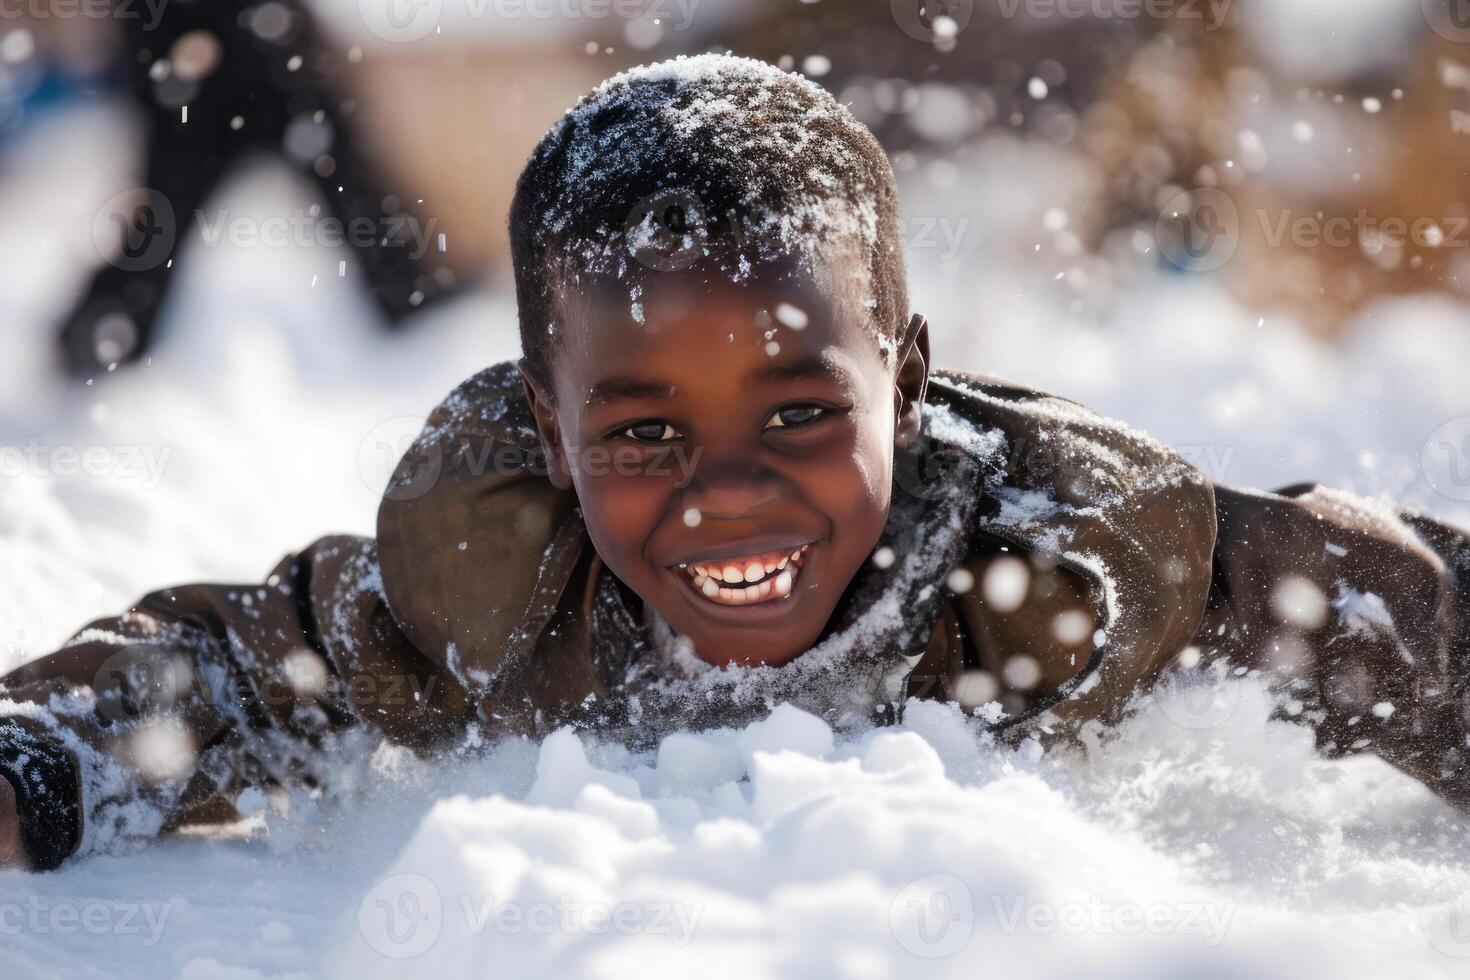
column 927, row 850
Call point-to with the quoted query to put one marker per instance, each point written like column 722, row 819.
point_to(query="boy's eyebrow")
column 609, row 389
column 811, row 367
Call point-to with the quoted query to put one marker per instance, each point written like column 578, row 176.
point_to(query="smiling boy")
column 723, row 476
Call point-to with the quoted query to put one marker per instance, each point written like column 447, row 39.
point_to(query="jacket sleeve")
column 1362, row 612
column 161, row 716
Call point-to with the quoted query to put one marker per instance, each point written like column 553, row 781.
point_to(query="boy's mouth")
column 747, row 580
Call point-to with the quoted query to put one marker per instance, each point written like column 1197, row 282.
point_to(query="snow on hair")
column 708, row 159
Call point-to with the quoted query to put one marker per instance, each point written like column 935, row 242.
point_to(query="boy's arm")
column 146, row 721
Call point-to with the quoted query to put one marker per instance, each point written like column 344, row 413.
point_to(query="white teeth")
column 746, row 581
column 782, row 584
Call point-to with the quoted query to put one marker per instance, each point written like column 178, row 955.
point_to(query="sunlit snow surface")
column 1203, row 840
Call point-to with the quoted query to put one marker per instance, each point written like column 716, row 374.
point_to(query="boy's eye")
column 795, row 415
column 650, row 431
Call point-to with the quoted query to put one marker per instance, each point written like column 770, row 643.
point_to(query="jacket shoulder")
column 1055, row 445
column 475, row 544
column 1115, row 533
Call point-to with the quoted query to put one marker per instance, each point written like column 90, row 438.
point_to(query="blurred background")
column 246, row 247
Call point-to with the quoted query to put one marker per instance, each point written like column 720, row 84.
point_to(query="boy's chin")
column 764, row 656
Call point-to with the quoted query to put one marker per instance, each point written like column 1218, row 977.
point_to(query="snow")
column 1204, row 837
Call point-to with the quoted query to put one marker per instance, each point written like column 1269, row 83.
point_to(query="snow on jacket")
column 1040, row 565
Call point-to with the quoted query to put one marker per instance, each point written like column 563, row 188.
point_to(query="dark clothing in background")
column 257, row 80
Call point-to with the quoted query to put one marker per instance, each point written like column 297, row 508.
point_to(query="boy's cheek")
column 620, row 511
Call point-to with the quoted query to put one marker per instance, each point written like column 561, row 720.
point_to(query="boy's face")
column 733, row 453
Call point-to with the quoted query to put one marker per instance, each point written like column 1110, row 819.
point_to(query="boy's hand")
column 11, row 853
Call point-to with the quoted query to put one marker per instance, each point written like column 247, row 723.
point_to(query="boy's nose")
column 730, row 491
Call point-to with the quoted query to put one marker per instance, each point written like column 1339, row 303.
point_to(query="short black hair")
column 709, row 158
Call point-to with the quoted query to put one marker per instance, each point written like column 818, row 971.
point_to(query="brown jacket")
column 1046, row 564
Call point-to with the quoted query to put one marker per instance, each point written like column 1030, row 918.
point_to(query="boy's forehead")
column 694, row 329
column 838, row 288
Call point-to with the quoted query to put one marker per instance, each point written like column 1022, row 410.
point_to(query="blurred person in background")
column 217, row 84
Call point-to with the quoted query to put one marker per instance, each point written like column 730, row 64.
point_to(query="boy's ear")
column 911, row 382
column 548, row 429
